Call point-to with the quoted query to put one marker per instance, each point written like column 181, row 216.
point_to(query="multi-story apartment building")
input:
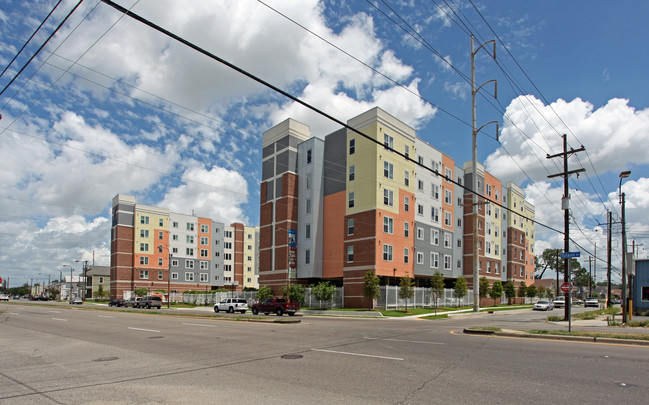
column 338, row 206
column 156, row 249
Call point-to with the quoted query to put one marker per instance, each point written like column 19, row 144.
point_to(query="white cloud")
column 217, row 193
column 614, row 135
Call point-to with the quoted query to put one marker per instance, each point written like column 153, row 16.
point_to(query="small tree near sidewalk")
column 437, row 287
column 141, row 292
column 371, row 288
column 531, row 291
column 510, row 291
column 460, row 288
column 264, row 292
column 324, row 292
column 484, row 287
column 407, row 289
column 496, row 291
column 522, row 291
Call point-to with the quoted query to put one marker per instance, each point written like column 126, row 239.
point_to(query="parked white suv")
column 232, row 305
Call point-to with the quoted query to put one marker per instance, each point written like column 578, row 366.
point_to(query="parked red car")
column 277, row 305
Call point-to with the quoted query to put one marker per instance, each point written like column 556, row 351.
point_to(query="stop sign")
column 566, row 287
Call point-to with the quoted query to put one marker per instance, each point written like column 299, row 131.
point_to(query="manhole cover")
column 106, row 359
column 292, row 356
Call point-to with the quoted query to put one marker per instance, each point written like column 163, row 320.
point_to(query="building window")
column 387, row 253
column 448, row 197
column 459, row 243
column 448, row 173
column 388, row 196
column 388, row 141
column 204, row 240
column 350, row 200
column 448, row 218
column 190, row 226
column 447, row 240
column 189, row 239
column 488, row 267
column 420, row 209
column 406, row 203
column 406, row 227
column 174, row 237
column 434, row 237
column 350, row 254
column 160, row 235
column 101, row 280
column 175, row 225
column 174, row 250
column 160, row 248
column 308, row 156
column 189, row 264
column 488, row 247
column 161, row 222
column 350, row 226
column 308, row 206
column 388, row 170
column 144, row 220
column 144, row 274
column 144, row 260
column 189, row 251
column 205, row 228
column 307, row 231
column 203, row 277
column 160, row 261
column 160, row 275
column 405, row 255
column 406, row 178
column 352, row 172
column 352, row 146
column 205, row 253
column 174, row 263
column 189, row 276
column 434, row 260
column 420, row 258
column 420, row 185
column 459, row 222
column 144, row 233
column 406, row 151
column 174, row 276
column 144, row 247
column 435, row 191
column 489, row 194
column 420, row 233
column 307, row 256
column 434, row 214
column 496, row 270
column 308, row 181
column 447, row 262
column 388, row 225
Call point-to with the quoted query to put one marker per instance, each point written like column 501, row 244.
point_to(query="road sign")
column 568, row 255
column 566, row 287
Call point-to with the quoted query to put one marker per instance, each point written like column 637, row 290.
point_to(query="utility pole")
column 565, row 205
column 608, row 262
column 590, row 279
column 474, row 174
column 557, row 268
column 625, row 304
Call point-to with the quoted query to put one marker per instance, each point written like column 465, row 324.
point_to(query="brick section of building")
column 515, row 247
column 238, row 256
column 121, row 261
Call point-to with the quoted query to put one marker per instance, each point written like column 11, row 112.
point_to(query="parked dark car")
column 38, row 298
column 133, row 302
column 116, row 302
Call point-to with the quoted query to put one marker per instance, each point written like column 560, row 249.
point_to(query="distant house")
column 96, row 276
column 547, row 283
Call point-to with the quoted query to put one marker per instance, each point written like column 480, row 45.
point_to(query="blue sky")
column 111, row 106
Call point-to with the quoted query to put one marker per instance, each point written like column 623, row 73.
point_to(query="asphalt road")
column 67, row 355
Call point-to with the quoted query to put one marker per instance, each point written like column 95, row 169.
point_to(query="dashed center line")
column 358, row 354
column 406, row 341
column 145, row 330
column 199, row 324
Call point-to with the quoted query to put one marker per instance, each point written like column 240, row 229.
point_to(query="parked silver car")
column 543, row 305
column 591, row 302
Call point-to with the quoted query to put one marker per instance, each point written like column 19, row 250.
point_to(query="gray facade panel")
column 270, row 190
column 426, row 247
column 335, row 162
column 282, row 143
column 267, row 169
column 268, row 150
column 281, row 161
column 278, row 187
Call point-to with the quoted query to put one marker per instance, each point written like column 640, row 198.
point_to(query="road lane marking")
column 407, row 341
column 13, row 313
column 145, row 330
column 199, row 324
column 56, row 312
column 106, row 316
column 60, row 319
column 358, row 354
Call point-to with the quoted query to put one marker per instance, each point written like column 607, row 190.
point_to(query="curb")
column 593, row 339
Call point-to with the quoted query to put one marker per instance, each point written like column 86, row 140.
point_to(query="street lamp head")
column 625, row 174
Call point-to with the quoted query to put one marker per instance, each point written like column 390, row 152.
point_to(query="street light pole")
column 625, row 305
